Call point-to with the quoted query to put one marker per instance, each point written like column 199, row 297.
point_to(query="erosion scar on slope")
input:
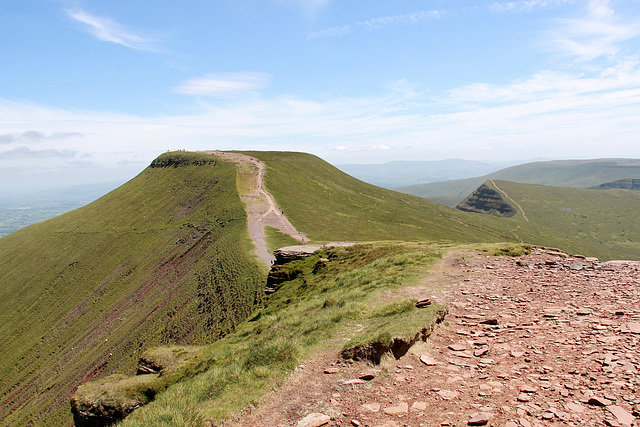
column 260, row 206
column 513, row 201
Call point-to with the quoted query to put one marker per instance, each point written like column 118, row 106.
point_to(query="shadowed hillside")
column 163, row 259
column 592, row 222
column 560, row 173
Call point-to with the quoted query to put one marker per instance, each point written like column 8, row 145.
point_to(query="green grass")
column 276, row 239
column 303, row 317
column 561, row 173
column 163, row 259
column 328, row 204
column 596, row 223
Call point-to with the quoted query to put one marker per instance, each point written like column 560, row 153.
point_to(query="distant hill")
column 327, row 204
column 164, row 258
column 400, row 173
column 26, row 208
column 561, row 173
column 625, row 184
column 592, row 222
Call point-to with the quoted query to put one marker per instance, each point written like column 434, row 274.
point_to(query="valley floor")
column 530, row 341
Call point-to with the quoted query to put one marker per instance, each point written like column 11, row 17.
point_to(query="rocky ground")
column 540, row 340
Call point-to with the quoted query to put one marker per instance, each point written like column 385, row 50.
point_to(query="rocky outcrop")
column 107, row 401
column 283, row 256
column 396, row 346
column 488, row 201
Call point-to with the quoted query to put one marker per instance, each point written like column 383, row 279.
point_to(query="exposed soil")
column 261, row 208
column 540, row 340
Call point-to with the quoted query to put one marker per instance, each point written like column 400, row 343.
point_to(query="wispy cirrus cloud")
column 106, row 29
column 331, row 32
column 378, row 23
column 223, row 84
column 601, row 33
column 526, row 5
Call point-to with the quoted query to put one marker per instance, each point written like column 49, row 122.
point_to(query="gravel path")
column 541, row 340
column 261, row 207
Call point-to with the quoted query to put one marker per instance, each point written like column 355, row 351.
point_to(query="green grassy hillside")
column 592, row 222
column 561, row 173
column 625, row 184
column 162, row 259
column 328, row 204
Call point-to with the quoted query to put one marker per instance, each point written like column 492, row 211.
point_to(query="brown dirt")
column 261, row 207
column 530, row 341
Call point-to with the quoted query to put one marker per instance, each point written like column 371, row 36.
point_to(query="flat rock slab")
column 479, row 419
column 622, row 415
column 314, row 420
column 400, row 409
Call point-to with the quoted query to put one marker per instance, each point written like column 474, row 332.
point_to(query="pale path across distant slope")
column 260, row 206
column 513, row 201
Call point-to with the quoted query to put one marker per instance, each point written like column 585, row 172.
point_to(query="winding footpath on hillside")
column 260, row 205
column 540, row 340
column 512, row 201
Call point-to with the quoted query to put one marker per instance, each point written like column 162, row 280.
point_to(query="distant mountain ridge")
column 601, row 223
column 560, row 173
column 400, row 173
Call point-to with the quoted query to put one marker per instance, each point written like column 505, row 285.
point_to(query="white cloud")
column 108, row 30
column 526, row 5
column 378, row 23
column 26, row 153
column 600, row 33
column 223, row 85
column 330, row 32
column 404, row 19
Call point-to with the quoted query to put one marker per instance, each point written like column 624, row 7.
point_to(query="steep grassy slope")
column 163, row 259
column 625, row 184
column 561, row 173
column 300, row 320
column 592, row 222
column 328, row 204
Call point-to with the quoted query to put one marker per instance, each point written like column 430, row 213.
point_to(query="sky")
column 93, row 91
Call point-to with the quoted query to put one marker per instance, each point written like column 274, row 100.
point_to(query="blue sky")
column 93, row 90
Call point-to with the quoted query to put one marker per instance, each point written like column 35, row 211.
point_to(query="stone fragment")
column 574, row 407
column 548, row 415
column 314, row 419
column 480, row 352
column 630, row 328
column 331, row 371
column 419, row 406
column 371, row 407
column 528, row 389
column 457, row 347
column 427, row 360
column 622, row 415
column 366, row 377
column 598, row 401
column 447, row 394
column 524, row 397
column 479, row 419
column 425, row 302
column 400, row 409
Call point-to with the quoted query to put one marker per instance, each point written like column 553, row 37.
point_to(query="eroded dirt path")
column 512, row 201
column 541, row 340
column 261, row 208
